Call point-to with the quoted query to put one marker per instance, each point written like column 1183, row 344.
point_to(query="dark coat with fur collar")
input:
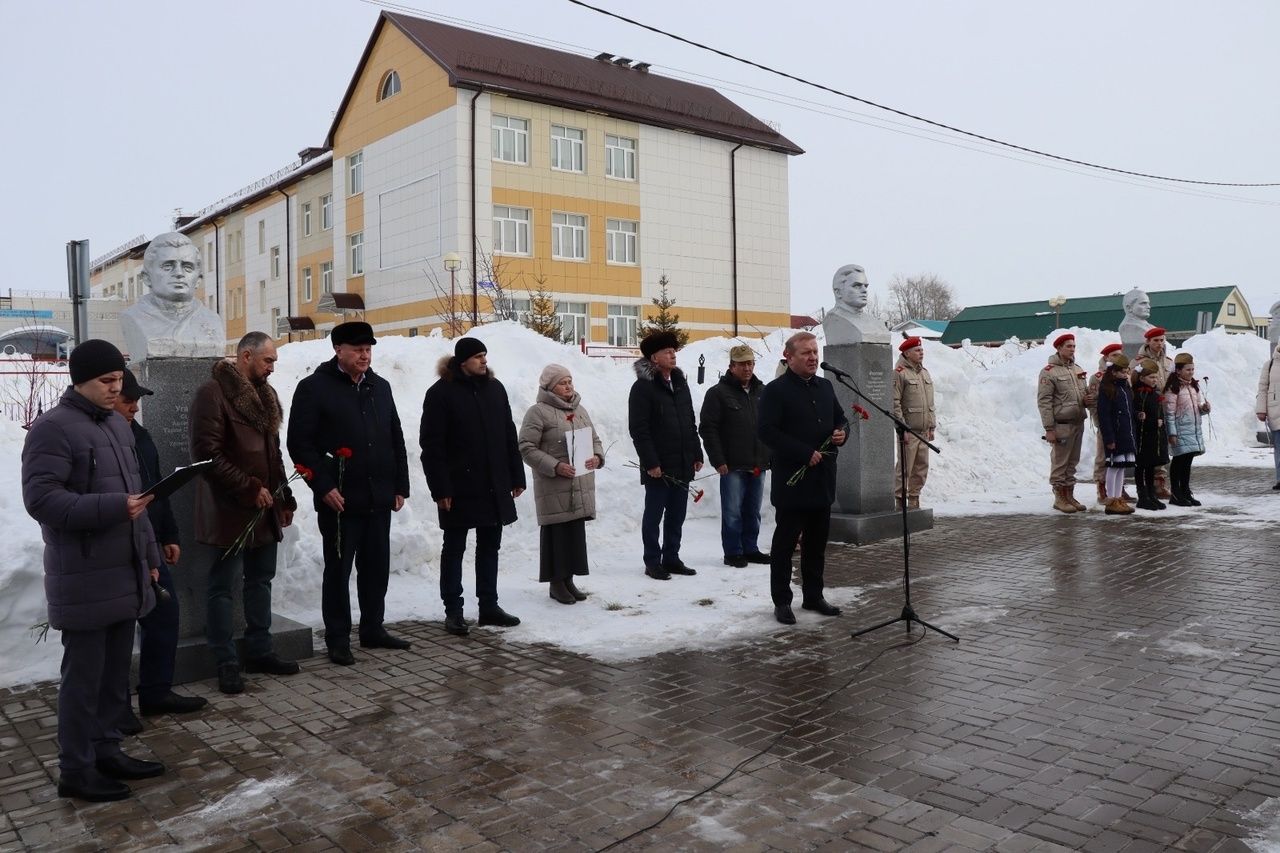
column 237, row 424
column 469, row 448
column 660, row 419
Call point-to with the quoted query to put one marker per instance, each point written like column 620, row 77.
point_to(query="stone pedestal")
column 864, row 508
column 165, row 415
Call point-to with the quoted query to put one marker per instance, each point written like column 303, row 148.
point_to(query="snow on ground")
column 1266, row 817
column 993, row 460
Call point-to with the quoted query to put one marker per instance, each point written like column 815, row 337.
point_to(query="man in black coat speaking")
column 475, row 473
column 343, row 425
column 802, row 424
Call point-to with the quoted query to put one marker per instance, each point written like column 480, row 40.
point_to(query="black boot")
column 561, row 594
column 91, row 786
column 573, row 590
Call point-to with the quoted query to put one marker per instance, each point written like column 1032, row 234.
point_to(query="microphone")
column 831, row 369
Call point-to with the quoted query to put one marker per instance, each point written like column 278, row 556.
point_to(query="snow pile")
column 989, row 431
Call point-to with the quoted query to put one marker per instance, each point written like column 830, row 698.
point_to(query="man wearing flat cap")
column 727, row 424
column 475, row 472
column 913, row 405
column 343, row 425
column 159, row 628
column 1062, row 397
column 660, row 418
column 80, row 481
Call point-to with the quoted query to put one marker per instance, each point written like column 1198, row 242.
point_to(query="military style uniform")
column 1164, row 367
column 1100, row 452
column 913, row 404
column 1061, row 394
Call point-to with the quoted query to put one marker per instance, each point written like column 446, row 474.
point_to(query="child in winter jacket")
column 1116, row 423
column 1183, row 406
column 1153, row 444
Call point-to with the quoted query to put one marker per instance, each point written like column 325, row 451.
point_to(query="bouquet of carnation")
column 245, row 535
column 825, row 447
column 693, row 490
column 342, row 454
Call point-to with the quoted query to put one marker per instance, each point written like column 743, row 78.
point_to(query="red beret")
column 1153, row 332
column 1062, row 339
column 909, row 343
column 1110, row 348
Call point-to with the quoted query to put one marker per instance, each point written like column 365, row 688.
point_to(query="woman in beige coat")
column 564, row 500
column 1267, row 405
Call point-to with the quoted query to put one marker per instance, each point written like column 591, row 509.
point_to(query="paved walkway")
column 1117, row 689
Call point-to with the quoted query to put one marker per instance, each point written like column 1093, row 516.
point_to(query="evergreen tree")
column 542, row 317
column 665, row 320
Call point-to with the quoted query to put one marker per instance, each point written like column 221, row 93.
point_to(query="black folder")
column 177, row 479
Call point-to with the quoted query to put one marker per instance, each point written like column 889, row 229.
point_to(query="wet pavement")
column 1116, row 689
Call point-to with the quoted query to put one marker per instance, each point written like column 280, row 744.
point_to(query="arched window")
column 390, row 86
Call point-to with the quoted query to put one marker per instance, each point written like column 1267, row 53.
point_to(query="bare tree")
column 494, row 283
column 920, row 297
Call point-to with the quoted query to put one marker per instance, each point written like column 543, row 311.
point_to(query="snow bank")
column 989, row 432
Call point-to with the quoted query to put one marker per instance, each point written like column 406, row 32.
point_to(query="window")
column 413, row 331
column 275, row 262
column 306, row 284
column 306, row 220
column 510, row 230
column 209, row 257
column 566, row 148
column 390, row 86
column 573, row 321
column 355, row 258
column 568, row 236
column 622, row 324
column 326, row 211
column 620, row 157
column 355, row 173
column 511, row 139
column 1231, row 309
column 133, row 294
column 262, row 236
column 620, row 240
column 520, row 309
column 326, row 277
column 262, row 297
column 275, row 321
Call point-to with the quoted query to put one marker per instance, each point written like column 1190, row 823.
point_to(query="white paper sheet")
column 580, row 443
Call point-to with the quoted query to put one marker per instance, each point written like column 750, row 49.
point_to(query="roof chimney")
column 642, row 67
column 623, row 61
column 604, row 57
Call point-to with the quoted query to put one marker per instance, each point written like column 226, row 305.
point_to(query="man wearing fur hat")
column 344, row 406
column 235, row 421
column 662, row 426
column 913, row 405
column 1156, row 349
column 471, row 457
column 1100, row 452
column 1063, row 399
column 727, row 424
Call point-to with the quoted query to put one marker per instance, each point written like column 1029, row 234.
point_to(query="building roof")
column 479, row 61
column 1175, row 310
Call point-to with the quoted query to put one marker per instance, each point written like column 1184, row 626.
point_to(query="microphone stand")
column 908, row 613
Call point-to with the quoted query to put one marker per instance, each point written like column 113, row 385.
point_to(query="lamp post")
column 1056, row 304
column 453, row 263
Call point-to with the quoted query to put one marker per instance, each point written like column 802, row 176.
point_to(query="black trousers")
column 1180, row 474
column 815, row 525
column 93, row 694
column 366, row 543
column 159, row 645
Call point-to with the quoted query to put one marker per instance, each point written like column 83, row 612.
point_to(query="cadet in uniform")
column 1063, row 398
column 913, row 405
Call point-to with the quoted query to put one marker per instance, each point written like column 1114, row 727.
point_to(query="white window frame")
column 355, row 173
column 306, row 219
column 326, row 277
column 355, row 254
column 621, row 240
column 262, row 236
column 306, row 284
column 569, row 230
column 262, row 296
column 1231, row 309
column 507, row 223
column 622, row 324
column 575, row 321
column 620, row 158
column 390, row 86
column 326, row 211
column 275, row 262
column 520, row 308
column 510, row 139
column 568, row 148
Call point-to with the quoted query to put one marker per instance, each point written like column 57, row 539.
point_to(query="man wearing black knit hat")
column 474, row 471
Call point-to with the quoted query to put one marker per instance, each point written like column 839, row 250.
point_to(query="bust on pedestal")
column 859, row 344
column 1133, row 328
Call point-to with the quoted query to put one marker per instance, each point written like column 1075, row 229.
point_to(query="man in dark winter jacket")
column 475, row 473
column 159, row 628
column 80, row 482
column 727, row 425
column 235, row 421
column 343, row 425
column 660, row 418
column 802, row 423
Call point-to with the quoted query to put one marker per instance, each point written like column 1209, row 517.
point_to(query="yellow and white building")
column 589, row 178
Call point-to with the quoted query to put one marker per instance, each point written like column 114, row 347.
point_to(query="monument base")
column 865, row 528
column 194, row 661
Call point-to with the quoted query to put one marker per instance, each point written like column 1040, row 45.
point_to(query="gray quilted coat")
column 543, row 444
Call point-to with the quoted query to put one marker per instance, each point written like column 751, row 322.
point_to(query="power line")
column 988, row 139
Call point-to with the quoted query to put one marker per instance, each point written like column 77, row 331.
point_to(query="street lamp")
column 1056, row 304
column 452, row 263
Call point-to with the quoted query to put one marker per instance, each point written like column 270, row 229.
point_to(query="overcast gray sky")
column 120, row 112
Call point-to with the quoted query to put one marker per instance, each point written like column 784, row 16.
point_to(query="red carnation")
column 343, row 453
column 697, row 496
column 569, row 417
column 861, row 412
column 755, row 472
column 303, row 471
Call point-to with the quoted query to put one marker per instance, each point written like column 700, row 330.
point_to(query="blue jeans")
column 1275, row 451
column 740, row 496
column 259, row 570
column 666, row 504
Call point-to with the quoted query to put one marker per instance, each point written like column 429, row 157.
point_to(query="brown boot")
column 1126, row 497
column 1117, row 506
column 1060, row 500
column 1162, row 488
column 1071, row 496
column 897, row 504
column 913, row 502
column 1102, row 493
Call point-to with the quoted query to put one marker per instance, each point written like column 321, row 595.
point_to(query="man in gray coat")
column 80, row 481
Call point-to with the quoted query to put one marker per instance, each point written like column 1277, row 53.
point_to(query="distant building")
column 1181, row 312
column 590, row 178
column 927, row 329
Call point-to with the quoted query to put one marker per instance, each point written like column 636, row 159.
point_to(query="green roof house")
column 1175, row 310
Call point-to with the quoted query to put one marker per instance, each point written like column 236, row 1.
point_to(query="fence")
column 29, row 388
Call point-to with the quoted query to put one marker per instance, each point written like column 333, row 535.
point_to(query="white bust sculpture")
column 1133, row 328
column 168, row 320
column 848, row 321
